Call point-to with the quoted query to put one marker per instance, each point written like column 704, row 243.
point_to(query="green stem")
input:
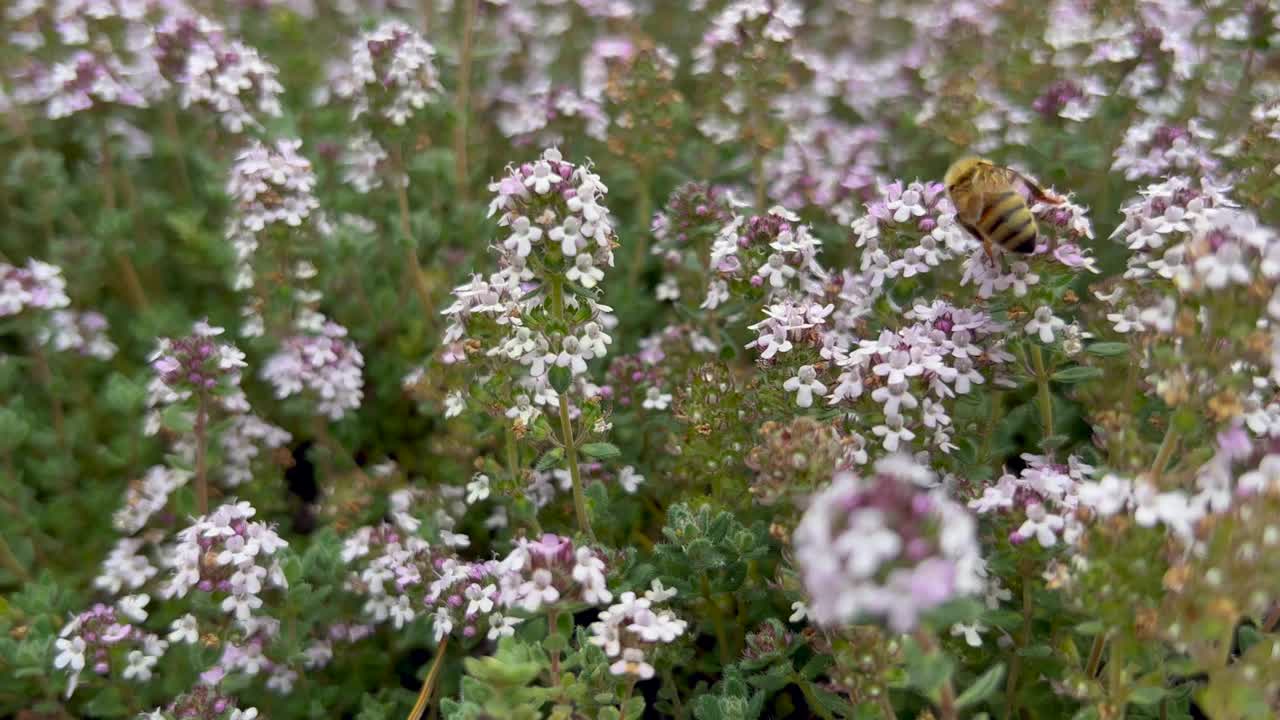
column 947, row 693
column 815, row 706
column 886, row 706
column 513, row 457
column 11, row 562
column 1015, row 666
column 717, row 622
column 670, row 680
column 566, row 424
column 463, row 101
column 55, row 402
column 428, row 685
column 419, row 280
column 1046, row 399
column 1167, row 446
column 1095, row 655
column 179, row 151
column 644, row 212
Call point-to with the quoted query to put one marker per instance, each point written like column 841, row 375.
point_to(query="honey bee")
column 990, row 207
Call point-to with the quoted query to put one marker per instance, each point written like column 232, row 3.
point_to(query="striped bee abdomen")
column 1008, row 223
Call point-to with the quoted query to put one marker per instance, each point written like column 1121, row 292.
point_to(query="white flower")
column 1042, row 525
column 478, row 488
column 249, row 714
column 441, row 624
column 132, row 606
column 1107, row 497
column 655, row 399
column 70, row 653
column 805, row 385
column 400, row 612
column 632, row 663
column 584, row 272
column 501, row 626
column 629, row 479
column 894, row 432
column 1044, row 323
column 970, row 632
column 542, row 178
column 523, row 235
column 184, row 629
column 776, row 270
column 1130, row 320
column 139, row 666
column 658, row 593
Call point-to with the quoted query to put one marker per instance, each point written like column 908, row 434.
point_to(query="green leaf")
column 108, row 703
column 1036, row 651
column 1077, row 374
column 178, row 419
column 1147, row 695
column 561, row 378
column 960, row 610
column 550, row 459
column 1090, row 628
column 600, row 450
column 1107, row 349
column 982, row 688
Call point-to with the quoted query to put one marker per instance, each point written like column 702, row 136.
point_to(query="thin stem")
column 463, row 102
column 1046, row 399
column 428, row 685
column 644, row 211
column 947, row 693
column 55, row 402
column 128, row 273
column 1095, row 655
column 513, row 456
column 552, row 615
column 420, row 285
column 886, row 706
column 1015, row 666
column 571, row 454
column 670, row 680
column 202, row 452
column 175, row 139
column 1165, row 453
column 11, row 562
column 717, row 622
column 566, row 426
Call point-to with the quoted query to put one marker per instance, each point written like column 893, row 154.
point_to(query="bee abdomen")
column 1009, row 223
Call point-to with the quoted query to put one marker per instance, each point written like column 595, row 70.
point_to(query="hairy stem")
column 644, row 212
column 1045, row 398
column 463, row 101
column 566, row 425
column 202, row 452
column 128, row 273
column 428, row 685
column 11, row 562
column 717, row 622
column 1165, row 453
column 947, row 693
column 416, row 276
column 1095, row 655
column 1015, row 666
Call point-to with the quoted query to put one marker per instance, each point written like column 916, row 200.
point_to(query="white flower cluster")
column 226, row 76
column 273, row 187
column 37, row 285
column 883, row 546
column 1045, row 493
column 392, row 73
column 324, row 363
column 227, row 553
column 631, row 626
column 552, row 208
column 82, row 332
column 147, row 496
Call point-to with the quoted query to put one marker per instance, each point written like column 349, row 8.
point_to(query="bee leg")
column 991, row 255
